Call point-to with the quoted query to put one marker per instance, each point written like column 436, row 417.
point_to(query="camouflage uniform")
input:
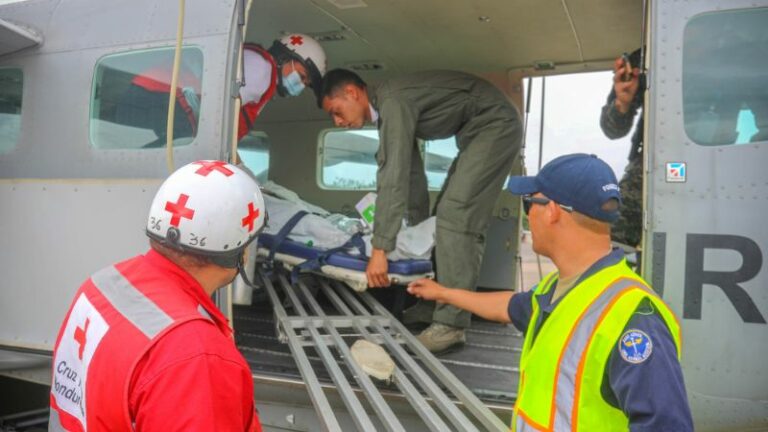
column 434, row 105
column 628, row 229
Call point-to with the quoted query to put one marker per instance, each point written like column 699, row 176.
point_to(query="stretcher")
column 338, row 263
column 324, row 342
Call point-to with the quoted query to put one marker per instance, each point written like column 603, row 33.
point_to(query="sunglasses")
column 529, row 200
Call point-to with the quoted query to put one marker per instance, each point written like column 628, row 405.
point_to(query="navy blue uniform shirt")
column 646, row 384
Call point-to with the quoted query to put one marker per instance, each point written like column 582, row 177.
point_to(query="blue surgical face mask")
column 293, row 83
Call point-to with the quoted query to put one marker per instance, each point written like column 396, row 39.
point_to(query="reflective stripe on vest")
column 204, row 312
column 130, row 302
column 54, row 424
column 569, row 362
column 251, row 110
column 623, row 288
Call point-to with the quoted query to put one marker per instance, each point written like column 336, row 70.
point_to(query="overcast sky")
column 572, row 121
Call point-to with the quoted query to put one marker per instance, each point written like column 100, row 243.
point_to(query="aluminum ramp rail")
column 362, row 316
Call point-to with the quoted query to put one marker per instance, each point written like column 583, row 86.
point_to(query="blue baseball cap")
column 581, row 181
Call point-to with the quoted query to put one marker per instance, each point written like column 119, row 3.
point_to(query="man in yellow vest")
column 601, row 350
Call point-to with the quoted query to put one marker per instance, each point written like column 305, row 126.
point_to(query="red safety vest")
column 250, row 111
column 116, row 317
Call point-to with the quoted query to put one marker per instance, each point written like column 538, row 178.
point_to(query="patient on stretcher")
column 321, row 229
column 318, row 232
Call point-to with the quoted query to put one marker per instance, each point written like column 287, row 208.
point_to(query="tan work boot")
column 440, row 338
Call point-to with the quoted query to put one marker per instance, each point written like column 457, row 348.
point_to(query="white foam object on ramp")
column 373, row 359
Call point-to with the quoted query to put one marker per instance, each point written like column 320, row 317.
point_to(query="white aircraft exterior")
column 76, row 180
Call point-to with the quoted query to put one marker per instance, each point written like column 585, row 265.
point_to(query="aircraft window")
column 438, row 156
column 725, row 78
column 129, row 104
column 253, row 149
column 348, row 159
column 11, row 81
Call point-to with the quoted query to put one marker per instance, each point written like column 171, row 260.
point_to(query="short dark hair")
column 336, row 79
column 179, row 257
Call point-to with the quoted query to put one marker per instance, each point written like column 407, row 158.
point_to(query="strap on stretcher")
column 356, row 241
column 283, row 233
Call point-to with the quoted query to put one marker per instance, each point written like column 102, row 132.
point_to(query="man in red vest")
column 291, row 64
column 143, row 346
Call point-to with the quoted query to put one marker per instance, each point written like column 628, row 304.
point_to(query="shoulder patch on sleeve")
column 635, row 346
column 645, row 307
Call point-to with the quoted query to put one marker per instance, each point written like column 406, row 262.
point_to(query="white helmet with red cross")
column 209, row 208
column 305, row 50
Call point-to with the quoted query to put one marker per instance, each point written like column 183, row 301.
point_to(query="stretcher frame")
column 311, row 328
column 356, row 280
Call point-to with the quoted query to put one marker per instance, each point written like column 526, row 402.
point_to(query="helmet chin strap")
column 280, row 86
column 282, row 55
column 241, row 272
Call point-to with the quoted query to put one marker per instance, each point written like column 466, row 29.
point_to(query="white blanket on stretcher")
column 413, row 242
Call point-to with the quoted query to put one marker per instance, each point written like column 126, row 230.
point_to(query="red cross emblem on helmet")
column 210, row 166
column 250, row 217
column 179, row 210
column 297, row 40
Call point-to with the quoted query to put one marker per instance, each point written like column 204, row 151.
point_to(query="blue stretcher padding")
column 343, row 260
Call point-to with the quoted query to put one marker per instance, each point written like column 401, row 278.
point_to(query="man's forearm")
column 491, row 305
column 613, row 123
column 390, row 208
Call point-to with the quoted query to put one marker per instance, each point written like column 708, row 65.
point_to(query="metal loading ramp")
column 310, row 330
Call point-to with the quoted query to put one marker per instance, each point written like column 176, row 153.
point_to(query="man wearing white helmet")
column 143, row 346
column 291, row 64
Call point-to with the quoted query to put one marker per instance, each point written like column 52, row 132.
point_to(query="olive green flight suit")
column 433, row 105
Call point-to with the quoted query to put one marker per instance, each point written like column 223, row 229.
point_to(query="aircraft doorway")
column 572, row 106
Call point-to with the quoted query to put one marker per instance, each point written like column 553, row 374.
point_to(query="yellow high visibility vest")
column 561, row 373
